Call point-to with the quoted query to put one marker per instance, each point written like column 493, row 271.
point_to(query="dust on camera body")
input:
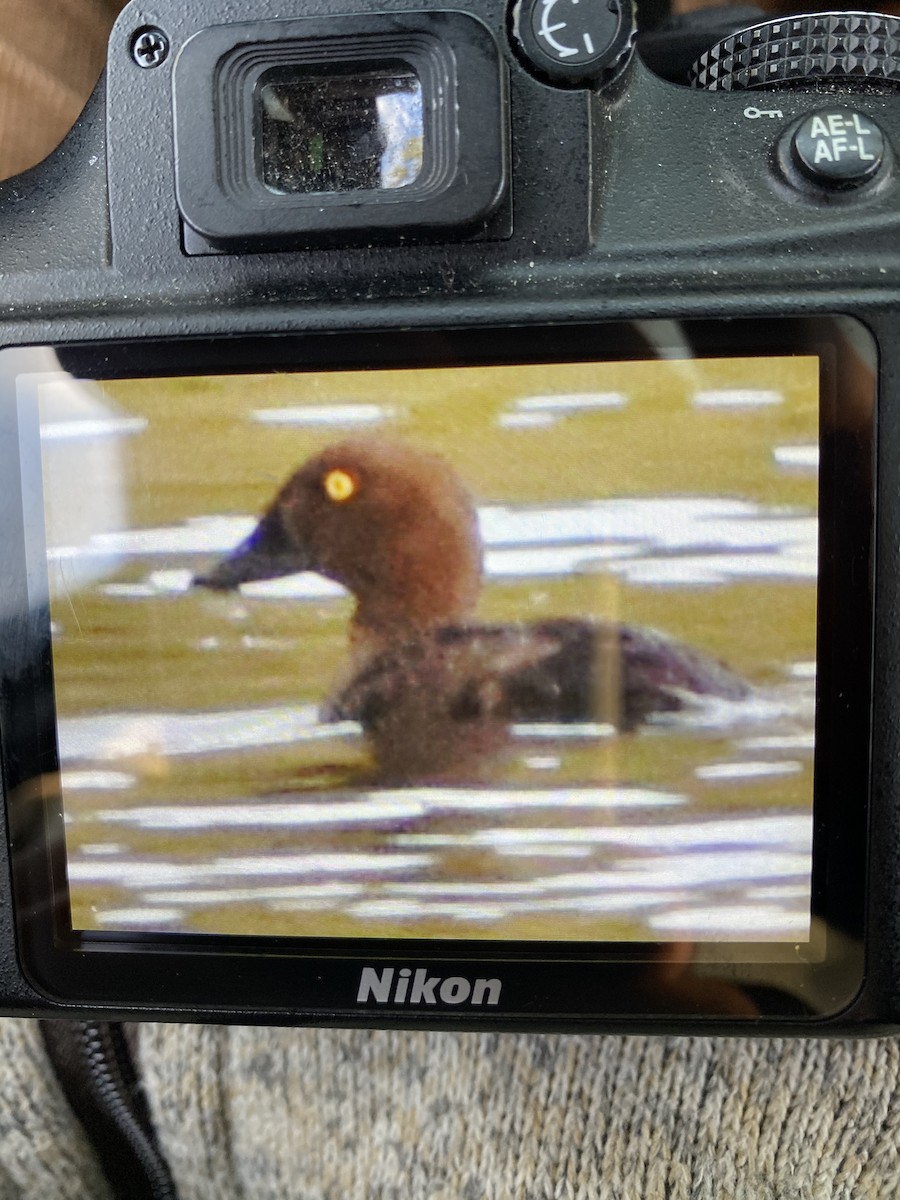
column 449, row 565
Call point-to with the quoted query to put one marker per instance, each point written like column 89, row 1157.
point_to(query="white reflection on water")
column 537, row 412
column 737, row 771
column 790, row 742
column 137, row 873
column 541, row 850
column 696, row 875
column 776, row 707
column 803, row 670
column 111, row 736
column 306, row 892
column 526, row 420
column 137, row 918
column 572, row 402
column 749, row 864
column 736, row 878
column 382, row 804
column 82, row 429
column 644, row 853
column 333, row 415
column 798, row 458
column 97, row 781
column 764, row 921
column 675, row 541
column 737, row 398
column 780, row 830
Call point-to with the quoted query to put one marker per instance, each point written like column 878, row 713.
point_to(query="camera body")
column 566, row 216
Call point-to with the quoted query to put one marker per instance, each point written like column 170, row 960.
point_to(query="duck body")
column 431, row 686
column 561, row 671
column 448, row 699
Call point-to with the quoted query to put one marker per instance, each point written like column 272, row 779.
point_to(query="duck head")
column 389, row 521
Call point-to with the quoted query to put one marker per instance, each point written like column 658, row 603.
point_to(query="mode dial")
column 840, row 47
column 573, row 43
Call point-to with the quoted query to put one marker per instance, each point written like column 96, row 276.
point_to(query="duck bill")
column 268, row 553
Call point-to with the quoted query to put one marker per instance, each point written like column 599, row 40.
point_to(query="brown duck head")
column 389, row 521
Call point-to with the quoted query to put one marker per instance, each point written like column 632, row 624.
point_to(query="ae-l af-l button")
column 838, row 148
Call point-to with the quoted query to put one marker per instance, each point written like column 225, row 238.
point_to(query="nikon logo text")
column 390, row 986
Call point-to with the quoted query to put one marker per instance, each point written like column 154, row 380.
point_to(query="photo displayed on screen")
column 510, row 652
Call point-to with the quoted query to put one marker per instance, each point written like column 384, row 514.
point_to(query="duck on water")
column 432, row 686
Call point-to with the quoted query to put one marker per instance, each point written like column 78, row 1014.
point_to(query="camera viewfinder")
column 380, row 126
column 339, row 131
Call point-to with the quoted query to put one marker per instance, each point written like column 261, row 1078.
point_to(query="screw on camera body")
column 149, row 47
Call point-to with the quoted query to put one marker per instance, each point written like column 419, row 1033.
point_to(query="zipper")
column 94, row 1065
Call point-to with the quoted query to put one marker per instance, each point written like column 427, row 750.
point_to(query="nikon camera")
column 449, row 522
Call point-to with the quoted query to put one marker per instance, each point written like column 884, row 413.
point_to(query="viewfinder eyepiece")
column 289, row 132
column 339, row 131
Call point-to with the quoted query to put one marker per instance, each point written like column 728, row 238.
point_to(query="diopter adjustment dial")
column 573, row 43
column 839, row 47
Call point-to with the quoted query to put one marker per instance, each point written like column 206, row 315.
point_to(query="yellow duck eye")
column 339, row 485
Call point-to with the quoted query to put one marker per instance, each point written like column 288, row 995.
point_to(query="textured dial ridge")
column 858, row 47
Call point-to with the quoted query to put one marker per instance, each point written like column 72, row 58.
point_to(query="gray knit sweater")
column 277, row 1114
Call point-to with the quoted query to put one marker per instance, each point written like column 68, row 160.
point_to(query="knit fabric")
column 273, row 1114
column 44, row 1154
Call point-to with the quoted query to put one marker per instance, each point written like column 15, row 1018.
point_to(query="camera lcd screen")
column 339, row 131
column 518, row 652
